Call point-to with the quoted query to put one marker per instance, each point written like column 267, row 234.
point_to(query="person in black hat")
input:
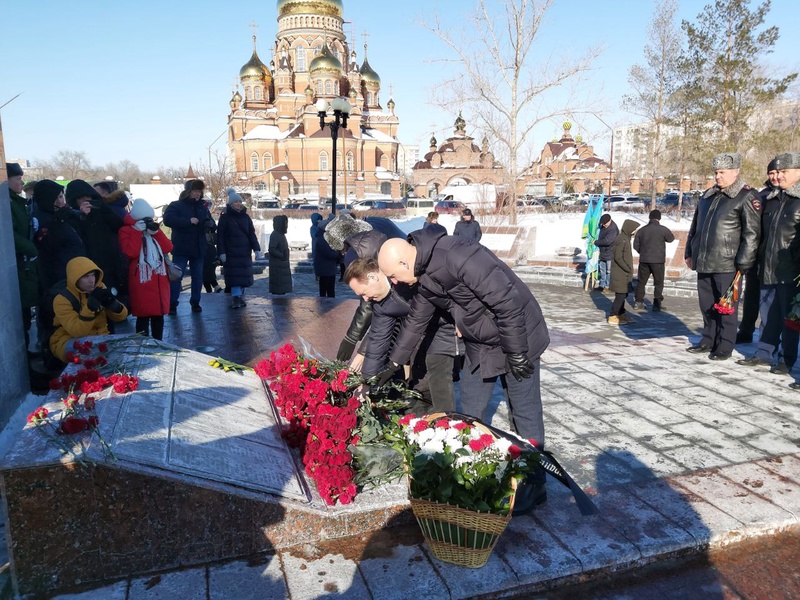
column 468, row 227
column 605, row 242
column 752, row 286
column 651, row 244
column 189, row 218
column 24, row 246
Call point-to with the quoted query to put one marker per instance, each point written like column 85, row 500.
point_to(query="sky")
column 150, row 81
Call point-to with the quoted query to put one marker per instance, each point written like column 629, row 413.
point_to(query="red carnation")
column 89, row 403
column 72, row 425
column 534, row 443
column 102, row 347
column 93, row 421
column 420, row 426
column 39, row 414
column 443, row 423
column 514, row 452
column 405, row 420
column 461, row 426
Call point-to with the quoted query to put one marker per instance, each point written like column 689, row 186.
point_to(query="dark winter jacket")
column 494, row 310
column 211, row 261
column 148, row 298
column 434, row 226
column 439, row 337
column 117, row 201
column 778, row 252
column 651, row 242
column 99, row 231
column 469, row 229
column 315, row 219
column 236, row 239
column 280, row 271
column 25, row 249
column 187, row 239
column 326, row 259
column 57, row 238
column 622, row 262
column 725, row 230
column 605, row 241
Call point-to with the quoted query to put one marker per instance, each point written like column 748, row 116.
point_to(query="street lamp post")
column 341, row 110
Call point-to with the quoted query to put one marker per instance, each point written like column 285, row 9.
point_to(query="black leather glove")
column 93, row 304
column 519, row 366
column 152, row 225
column 103, row 296
column 384, row 376
column 345, row 350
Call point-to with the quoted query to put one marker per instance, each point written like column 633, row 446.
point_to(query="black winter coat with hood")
column 725, row 230
column 57, row 238
column 280, row 271
column 236, row 239
column 622, row 263
column 493, row 309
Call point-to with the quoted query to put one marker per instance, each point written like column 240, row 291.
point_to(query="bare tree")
column 218, row 176
column 69, row 164
column 504, row 78
column 654, row 82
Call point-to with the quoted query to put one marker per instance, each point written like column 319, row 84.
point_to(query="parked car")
column 625, row 201
column 671, row 199
column 450, row 207
column 268, row 204
column 291, row 206
column 419, row 206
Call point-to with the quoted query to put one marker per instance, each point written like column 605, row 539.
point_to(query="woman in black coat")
column 622, row 273
column 236, row 242
column 326, row 264
column 280, row 271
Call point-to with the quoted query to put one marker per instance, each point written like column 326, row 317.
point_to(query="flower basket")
column 458, row 535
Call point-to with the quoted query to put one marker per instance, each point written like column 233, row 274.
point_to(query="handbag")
column 173, row 272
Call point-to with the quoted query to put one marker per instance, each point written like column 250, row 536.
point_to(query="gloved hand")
column 384, row 376
column 345, row 350
column 222, row 258
column 519, row 366
column 103, row 296
column 152, row 225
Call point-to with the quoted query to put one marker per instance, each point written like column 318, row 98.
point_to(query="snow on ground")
column 553, row 230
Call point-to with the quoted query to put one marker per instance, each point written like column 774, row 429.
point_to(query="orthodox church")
column 274, row 132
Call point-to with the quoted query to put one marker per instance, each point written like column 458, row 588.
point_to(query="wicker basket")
column 458, row 535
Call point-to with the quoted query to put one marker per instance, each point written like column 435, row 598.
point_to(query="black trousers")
column 327, row 286
column 719, row 331
column 618, row 306
column 750, row 302
column 148, row 325
column 433, row 378
column 657, row 271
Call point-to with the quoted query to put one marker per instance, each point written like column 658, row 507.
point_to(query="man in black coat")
column 496, row 315
column 722, row 240
column 651, row 244
column 189, row 219
column 468, row 227
column 605, row 242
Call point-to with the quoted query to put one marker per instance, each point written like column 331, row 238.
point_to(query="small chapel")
column 274, row 132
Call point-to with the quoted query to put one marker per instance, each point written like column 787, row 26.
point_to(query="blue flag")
column 591, row 229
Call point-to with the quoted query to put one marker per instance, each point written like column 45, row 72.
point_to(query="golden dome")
column 324, row 8
column 368, row 75
column 254, row 68
column 326, row 62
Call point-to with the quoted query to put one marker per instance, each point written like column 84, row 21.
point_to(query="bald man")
column 496, row 315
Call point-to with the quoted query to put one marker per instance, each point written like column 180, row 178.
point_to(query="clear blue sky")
column 150, row 81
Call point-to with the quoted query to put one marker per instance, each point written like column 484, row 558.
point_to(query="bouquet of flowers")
column 331, row 423
column 725, row 306
column 453, row 462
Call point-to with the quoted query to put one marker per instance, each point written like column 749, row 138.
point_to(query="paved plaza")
column 681, row 454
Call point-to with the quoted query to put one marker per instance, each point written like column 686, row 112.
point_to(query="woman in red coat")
column 145, row 245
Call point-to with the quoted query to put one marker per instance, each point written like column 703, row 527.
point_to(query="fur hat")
column 233, row 196
column 141, row 210
column 787, row 160
column 772, row 165
column 13, row 170
column 655, row 214
column 605, row 219
column 341, row 228
column 194, row 184
column 727, row 160
column 78, row 188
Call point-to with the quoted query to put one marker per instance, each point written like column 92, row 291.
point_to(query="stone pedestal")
column 201, row 475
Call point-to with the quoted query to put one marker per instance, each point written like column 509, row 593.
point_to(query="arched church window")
column 336, row 87
column 350, row 161
column 339, row 158
column 267, row 160
column 323, row 161
column 369, row 98
column 248, row 93
column 299, row 59
column 328, row 87
column 257, row 92
column 319, row 87
column 254, row 161
column 318, row 50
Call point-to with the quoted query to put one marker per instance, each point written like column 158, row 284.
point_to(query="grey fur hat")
column 341, row 228
column 727, row 160
column 787, row 160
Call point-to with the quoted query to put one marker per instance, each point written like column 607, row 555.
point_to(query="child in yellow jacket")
column 97, row 305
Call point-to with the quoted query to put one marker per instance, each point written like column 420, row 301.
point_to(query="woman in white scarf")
column 146, row 246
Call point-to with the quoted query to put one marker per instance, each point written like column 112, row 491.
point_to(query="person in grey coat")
column 468, row 227
column 280, row 272
column 651, row 244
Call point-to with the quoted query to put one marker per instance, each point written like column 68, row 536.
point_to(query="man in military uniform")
column 723, row 239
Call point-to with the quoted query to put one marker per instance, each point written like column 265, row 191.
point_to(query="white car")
column 625, row 202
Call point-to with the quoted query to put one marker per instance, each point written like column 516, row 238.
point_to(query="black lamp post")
column 341, row 109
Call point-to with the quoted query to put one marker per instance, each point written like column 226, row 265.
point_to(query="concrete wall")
column 14, row 383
